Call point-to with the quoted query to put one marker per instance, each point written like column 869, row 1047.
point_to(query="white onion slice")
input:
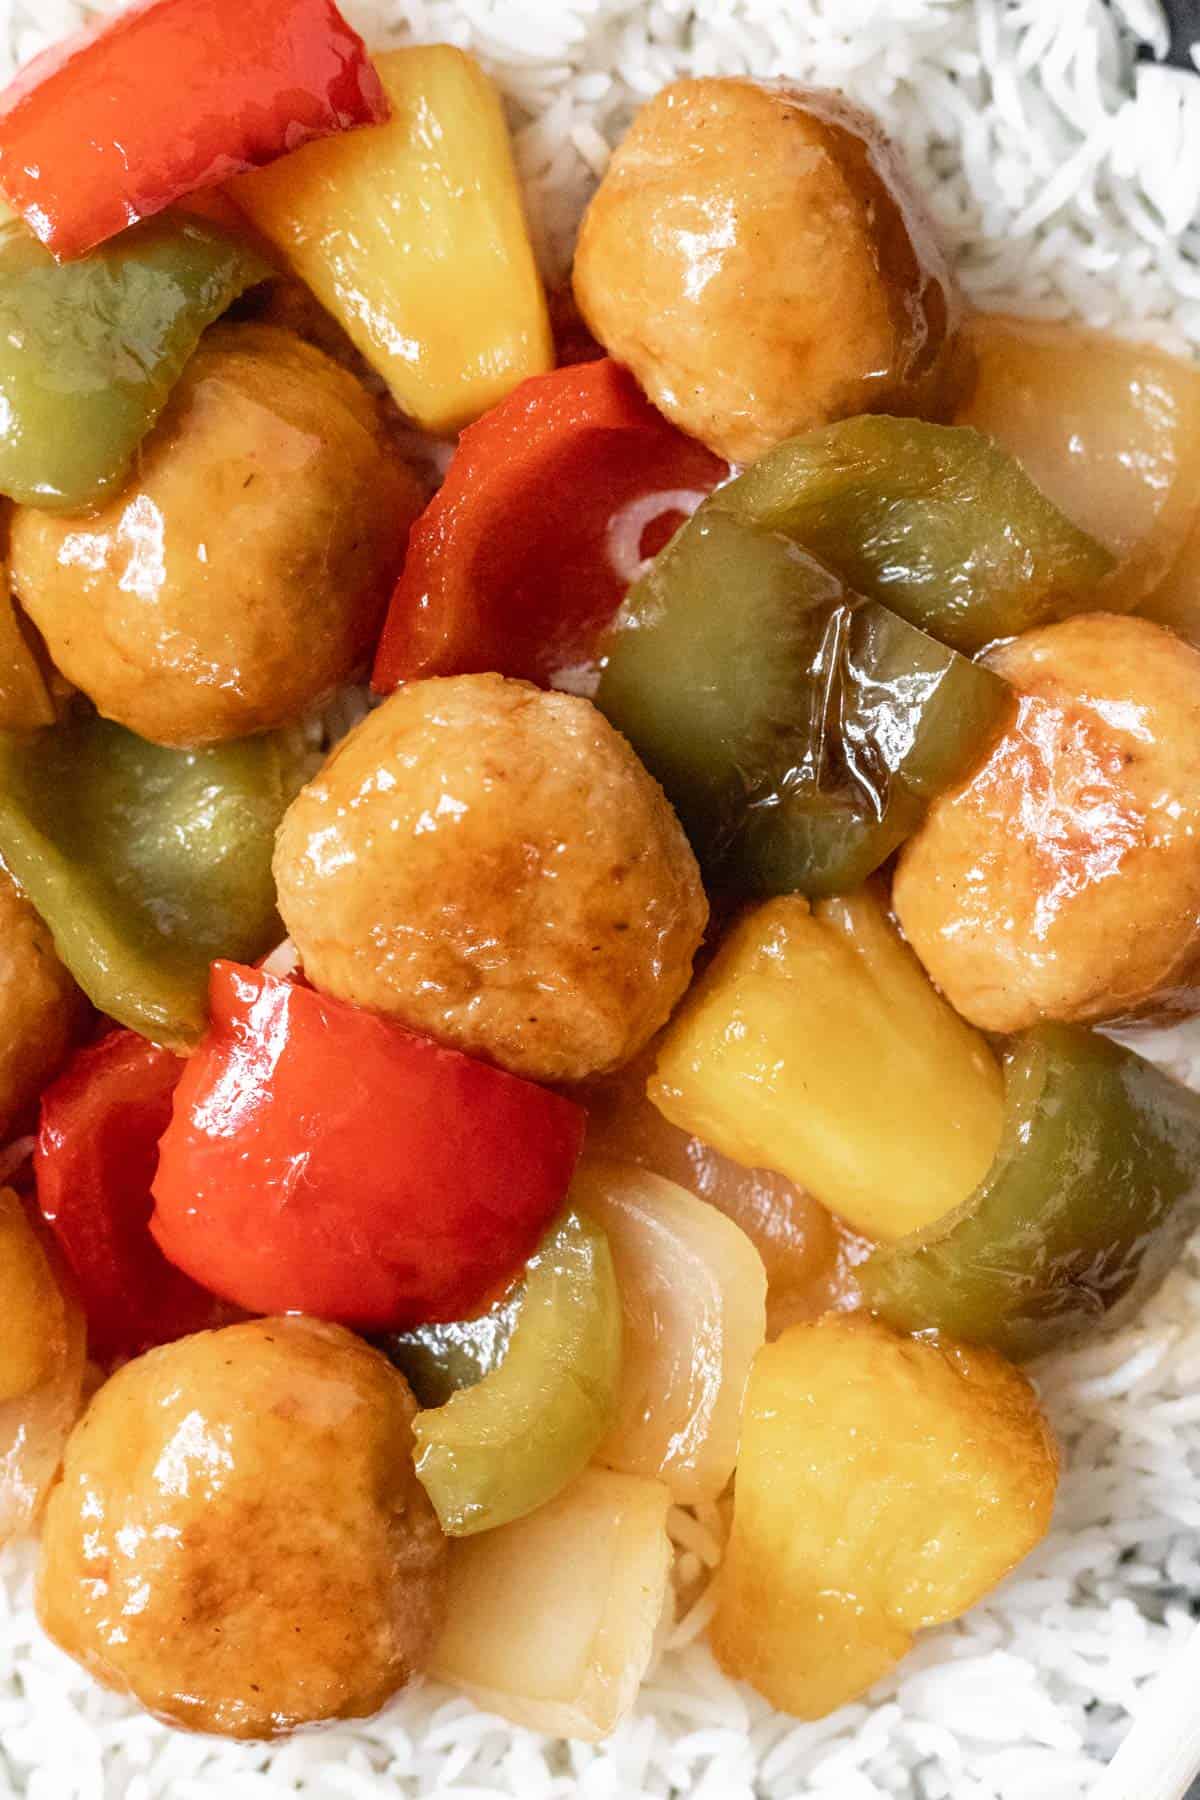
column 552, row 1621
column 694, row 1292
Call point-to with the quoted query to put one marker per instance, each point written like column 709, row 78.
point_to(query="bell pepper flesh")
column 323, row 1159
column 168, row 96
column 96, row 1151
column 90, row 350
column 505, row 1446
column 1083, row 1211
column 510, row 567
column 146, row 863
column 798, row 730
column 936, row 521
column 438, row 1360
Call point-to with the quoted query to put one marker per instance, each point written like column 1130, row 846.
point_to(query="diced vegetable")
column 935, row 521
column 798, row 731
column 815, row 1044
column 33, row 1311
column 96, row 1153
column 551, row 1622
column 1081, row 1215
column 884, row 1485
column 500, row 1449
column 25, row 699
column 517, row 564
column 693, row 1299
column 439, row 1359
column 414, row 238
column 168, row 96
column 807, row 1254
column 146, row 863
column 34, row 1426
column 795, row 1236
column 1109, row 430
column 324, row 1160
column 89, row 351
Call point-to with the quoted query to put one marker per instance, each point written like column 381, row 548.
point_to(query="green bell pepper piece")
column 798, row 730
column 90, row 350
column 147, row 863
column 498, row 1450
column 439, row 1360
column 1083, row 1211
column 936, row 521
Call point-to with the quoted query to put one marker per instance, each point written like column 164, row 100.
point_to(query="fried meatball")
column 40, row 1007
column 493, row 866
column 757, row 258
column 244, row 572
column 1062, row 881
column 239, row 1539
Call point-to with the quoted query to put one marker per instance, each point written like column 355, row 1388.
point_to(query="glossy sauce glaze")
column 757, row 259
column 239, row 1539
column 1062, row 880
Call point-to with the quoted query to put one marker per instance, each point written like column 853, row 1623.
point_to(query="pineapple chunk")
column 1108, row 429
column 817, row 1046
column 412, row 235
column 885, row 1484
column 551, row 1621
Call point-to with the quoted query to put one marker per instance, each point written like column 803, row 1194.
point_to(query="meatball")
column 239, row 1539
column 492, row 865
column 1062, row 881
column 756, row 257
column 40, row 1008
column 244, row 572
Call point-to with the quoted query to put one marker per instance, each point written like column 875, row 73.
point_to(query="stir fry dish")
column 541, row 1000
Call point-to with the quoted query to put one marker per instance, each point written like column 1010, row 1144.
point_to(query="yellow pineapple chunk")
column 885, row 1484
column 412, row 234
column 816, row 1045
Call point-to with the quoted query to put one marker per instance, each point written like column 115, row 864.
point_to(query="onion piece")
column 693, row 1291
column 552, row 1620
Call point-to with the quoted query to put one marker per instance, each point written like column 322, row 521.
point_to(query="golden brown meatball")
column 239, row 1539
column 40, row 1007
column 493, row 866
column 243, row 573
column 1062, row 881
column 756, row 257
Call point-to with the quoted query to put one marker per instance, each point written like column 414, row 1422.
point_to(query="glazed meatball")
column 244, row 572
column 239, row 1539
column 756, row 257
column 40, row 1008
column 1062, row 881
column 492, row 865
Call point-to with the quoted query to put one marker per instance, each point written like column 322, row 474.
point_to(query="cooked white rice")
column 1067, row 180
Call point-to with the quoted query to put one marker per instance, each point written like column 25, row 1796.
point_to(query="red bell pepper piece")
column 513, row 566
column 94, row 1161
column 170, row 96
column 322, row 1159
